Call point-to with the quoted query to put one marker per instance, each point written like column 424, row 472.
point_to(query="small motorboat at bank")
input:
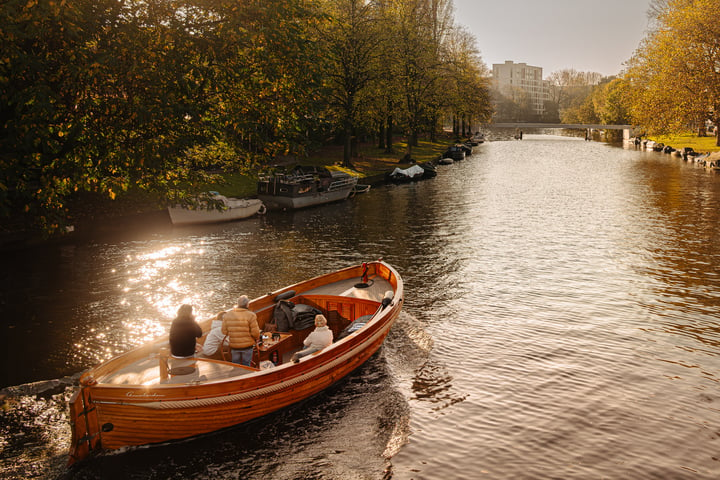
column 429, row 170
column 216, row 208
column 404, row 175
column 709, row 161
column 688, row 154
column 456, row 152
column 477, row 139
column 304, row 186
column 136, row 399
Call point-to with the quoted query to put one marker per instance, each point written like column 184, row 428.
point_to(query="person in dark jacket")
column 183, row 332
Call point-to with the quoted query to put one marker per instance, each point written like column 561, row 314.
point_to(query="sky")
column 587, row 35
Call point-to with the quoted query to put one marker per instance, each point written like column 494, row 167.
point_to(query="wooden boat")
column 304, row 187
column 219, row 209
column 133, row 399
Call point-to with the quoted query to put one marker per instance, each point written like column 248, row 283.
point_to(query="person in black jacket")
column 183, row 332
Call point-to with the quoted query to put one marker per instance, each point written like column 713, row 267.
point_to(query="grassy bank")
column 699, row 144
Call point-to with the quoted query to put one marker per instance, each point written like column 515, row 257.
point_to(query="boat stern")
column 83, row 423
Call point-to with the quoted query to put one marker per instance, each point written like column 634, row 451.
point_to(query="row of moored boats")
column 304, row 186
column 707, row 160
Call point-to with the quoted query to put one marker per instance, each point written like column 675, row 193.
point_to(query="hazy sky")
column 587, row 35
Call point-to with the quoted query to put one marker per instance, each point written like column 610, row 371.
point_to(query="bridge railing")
column 583, row 126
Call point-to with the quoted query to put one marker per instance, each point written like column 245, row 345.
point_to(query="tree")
column 610, row 102
column 420, row 32
column 104, row 96
column 465, row 85
column 351, row 40
column 569, row 89
column 674, row 76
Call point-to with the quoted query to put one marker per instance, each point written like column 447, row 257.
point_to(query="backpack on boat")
column 288, row 316
column 283, row 315
column 304, row 316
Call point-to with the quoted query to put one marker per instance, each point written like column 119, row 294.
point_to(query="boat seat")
column 181, row 365
column 171, row 366
column 181, row 370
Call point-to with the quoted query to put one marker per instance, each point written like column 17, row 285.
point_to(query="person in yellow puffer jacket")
column 241, row 327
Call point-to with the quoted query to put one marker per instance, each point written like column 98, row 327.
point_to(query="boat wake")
column 34, row 429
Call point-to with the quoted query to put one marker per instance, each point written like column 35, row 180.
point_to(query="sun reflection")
column 143, row 330
column 155, row 284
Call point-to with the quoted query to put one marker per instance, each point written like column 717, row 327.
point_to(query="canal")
column 561, row 320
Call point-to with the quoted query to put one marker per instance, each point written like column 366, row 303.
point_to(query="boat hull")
column 280, row 202
column 106, row 415
column 238, row 211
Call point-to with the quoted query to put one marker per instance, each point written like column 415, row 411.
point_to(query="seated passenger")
column 318, row 339
column 183, row 332
column 214, row 338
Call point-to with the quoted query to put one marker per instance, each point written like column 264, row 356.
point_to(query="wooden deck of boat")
column 377, row 286
column 147, row 372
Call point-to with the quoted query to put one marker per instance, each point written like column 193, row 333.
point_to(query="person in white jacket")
column 318, row 339
column 214, row 337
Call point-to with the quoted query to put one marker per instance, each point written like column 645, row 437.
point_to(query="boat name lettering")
column 145, row 395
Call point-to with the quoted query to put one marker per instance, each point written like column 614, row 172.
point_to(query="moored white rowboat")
column 230, row 209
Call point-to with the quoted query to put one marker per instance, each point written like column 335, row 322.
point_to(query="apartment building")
column 515, row 80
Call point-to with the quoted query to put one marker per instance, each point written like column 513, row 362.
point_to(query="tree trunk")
column 354, row 144
column 381, row 135
column 389, row 135
column 408, row 150
column 347, row 146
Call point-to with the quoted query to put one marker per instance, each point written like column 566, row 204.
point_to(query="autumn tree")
column 103, row 96
column 674, row 76
column 465, row 84
column 569, row 90
column 610, row 101
column 351, row 43
column 417, row 51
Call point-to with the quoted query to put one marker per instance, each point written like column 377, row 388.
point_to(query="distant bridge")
column 583, row 126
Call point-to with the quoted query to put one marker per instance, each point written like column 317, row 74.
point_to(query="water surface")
column 562, row 320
